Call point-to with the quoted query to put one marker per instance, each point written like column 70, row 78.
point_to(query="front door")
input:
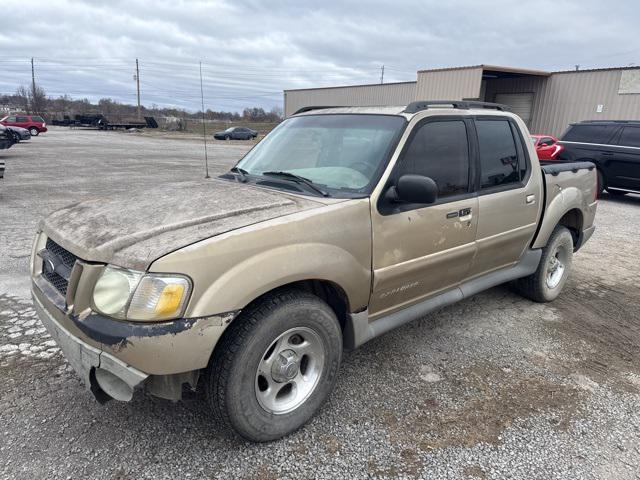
column 420, row 250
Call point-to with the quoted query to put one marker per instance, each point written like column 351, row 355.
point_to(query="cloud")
column 252, row 50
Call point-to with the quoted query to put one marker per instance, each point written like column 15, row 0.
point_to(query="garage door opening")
column 521, row 104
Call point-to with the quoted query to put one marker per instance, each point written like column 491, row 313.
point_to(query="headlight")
column 131, row 295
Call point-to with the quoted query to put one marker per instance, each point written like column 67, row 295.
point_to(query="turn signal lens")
column 170, row 299
column 159, row 297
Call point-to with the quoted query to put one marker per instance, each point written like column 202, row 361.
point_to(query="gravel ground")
column 493, row 387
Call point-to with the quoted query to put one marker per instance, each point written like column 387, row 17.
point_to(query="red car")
column 547, row 147
column 34, row 123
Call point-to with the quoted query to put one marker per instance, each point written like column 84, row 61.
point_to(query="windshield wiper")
column 297, row 179
column 241, row 172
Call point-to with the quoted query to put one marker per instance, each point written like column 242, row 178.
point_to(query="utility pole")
column 138, row 86
column 382, row 74
column 33, row 87
column 204, row 129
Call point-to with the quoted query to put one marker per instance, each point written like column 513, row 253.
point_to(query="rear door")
column 509, row 195
column 22, row 121
column 419, row 250
column 624, row 166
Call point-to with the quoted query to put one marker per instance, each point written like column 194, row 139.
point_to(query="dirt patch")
column 474, row 472
column 602, row 324
column 489, row 401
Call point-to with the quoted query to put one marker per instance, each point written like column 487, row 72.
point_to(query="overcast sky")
column 252, row 50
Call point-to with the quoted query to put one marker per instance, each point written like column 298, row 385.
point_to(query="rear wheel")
column 555, row 265
column 34, row 131
column 275, row 366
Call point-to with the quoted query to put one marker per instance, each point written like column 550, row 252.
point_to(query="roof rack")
column 415, row 107
column 320, row 107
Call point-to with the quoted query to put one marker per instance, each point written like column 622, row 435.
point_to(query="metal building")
column 547, row 101
column 400, row 93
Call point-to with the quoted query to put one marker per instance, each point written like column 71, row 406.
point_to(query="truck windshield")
column 342, row 152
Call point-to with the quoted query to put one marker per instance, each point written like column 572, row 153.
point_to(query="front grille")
column 67, row 258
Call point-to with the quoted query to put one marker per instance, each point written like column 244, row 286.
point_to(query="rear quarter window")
column 37, row 119
column 590, row 133
column 630, row 137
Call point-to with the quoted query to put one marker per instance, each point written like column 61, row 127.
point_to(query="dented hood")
column 134, row 230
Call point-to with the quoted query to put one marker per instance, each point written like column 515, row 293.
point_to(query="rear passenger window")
column 501, row 154
column 630, row 137
column 440, row 150
column 589, row 133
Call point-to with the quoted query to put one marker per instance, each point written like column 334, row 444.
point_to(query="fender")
column 567, row 199
column 254, row 276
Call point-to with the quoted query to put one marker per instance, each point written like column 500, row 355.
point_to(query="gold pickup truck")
column 342, row 224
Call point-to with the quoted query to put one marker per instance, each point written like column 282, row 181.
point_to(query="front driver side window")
column 439, row 150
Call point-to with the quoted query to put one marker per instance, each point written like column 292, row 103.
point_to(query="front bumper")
column 86, row 359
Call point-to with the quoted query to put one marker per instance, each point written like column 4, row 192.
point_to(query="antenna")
column 382, row 74
column 137, row 77
column 204, row 129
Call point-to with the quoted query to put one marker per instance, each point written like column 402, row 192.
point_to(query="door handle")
column 460, row 214
column 531, row 199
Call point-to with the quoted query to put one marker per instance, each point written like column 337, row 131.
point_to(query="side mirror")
column 414, row 189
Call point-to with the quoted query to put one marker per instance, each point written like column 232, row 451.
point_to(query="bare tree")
column 38, row 100
column 23, row 97
column 277, row 113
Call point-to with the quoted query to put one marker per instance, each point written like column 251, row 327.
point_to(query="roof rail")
column 320, row 107
column 415, row 107
column 606, row 121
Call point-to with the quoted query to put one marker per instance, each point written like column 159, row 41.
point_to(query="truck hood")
column 135, row 230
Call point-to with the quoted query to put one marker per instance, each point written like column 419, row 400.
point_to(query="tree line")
column 36, row 101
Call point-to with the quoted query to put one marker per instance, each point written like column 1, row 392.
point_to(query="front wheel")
column 34, row 131
column 275, row 366
column 555, row 265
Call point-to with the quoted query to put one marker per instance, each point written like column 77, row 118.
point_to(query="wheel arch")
column 556, row 214
column 326, row 290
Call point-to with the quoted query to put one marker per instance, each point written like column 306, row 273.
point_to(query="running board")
column 360, row 330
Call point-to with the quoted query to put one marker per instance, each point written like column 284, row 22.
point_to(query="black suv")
column 613, row 145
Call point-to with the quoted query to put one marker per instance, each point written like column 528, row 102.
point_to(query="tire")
column 546, row 284
column 34, row 131
column 254, row 360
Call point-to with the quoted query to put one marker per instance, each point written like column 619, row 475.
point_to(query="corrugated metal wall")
column 356, row 96
column 565, row 98
column 558, row 100
column 571, row 97
column 452, row 84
